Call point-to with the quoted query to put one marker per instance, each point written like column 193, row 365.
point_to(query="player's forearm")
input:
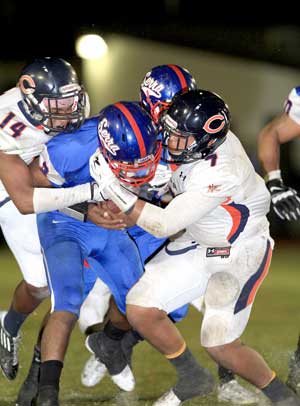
column 269, row 150
column 39, row 200
column 182, row 211
column 46, row 199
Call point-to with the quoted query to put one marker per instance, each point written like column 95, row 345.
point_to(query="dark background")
column 41, row 28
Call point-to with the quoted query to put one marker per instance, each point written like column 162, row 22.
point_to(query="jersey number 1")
column 16, row 128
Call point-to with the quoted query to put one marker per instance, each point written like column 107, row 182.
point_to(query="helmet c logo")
column 210, row 130
column 27, row 84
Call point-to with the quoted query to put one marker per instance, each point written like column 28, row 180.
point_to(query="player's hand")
column 102, row 215
column 285, row 200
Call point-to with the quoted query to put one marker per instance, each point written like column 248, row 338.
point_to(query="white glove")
column 162, row 176
column 100, row 170
column 109, row 185
column 285, row 200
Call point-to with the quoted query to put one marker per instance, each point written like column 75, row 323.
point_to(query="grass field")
column 273, row 330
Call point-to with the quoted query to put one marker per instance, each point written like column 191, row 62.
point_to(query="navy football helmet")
column 53, row 96
column 160, row 85
column 128, row 139
column 195, row 125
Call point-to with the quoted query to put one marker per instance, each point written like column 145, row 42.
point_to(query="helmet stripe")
column 134, row 126
column 180, row 76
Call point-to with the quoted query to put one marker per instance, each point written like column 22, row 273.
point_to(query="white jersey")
column 18, row 135
column 292, row 105
column 219, row 200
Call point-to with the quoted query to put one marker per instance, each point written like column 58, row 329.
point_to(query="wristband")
column 276, row 174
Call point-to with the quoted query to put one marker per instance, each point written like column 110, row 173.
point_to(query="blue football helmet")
column 128, row 139
column 160, row 85
column 195, row 125
column 53, row 95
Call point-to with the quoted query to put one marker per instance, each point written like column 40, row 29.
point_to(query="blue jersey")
column 66, row 242
column 65, row 160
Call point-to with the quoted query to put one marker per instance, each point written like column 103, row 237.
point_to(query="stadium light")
column 91, row 47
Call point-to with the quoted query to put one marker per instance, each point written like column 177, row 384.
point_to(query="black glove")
column 285, row 200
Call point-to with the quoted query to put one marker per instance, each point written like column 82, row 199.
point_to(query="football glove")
column 109, row 185
column 285, row 200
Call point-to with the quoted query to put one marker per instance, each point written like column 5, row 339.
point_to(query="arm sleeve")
column 205, row 189
column 47, row 199
column 182, row 211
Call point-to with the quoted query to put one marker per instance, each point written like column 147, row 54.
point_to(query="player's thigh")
column 21, row 235
column 231, row 291
column 64, row 268
column 172, row 278
column 121, row 266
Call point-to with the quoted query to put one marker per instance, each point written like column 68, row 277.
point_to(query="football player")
column 48, row 98
column 223, row 204
column 157, row 90
column 66, row 241
column 285, row 200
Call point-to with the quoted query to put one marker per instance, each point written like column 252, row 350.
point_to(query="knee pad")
column 222, row 290
column 214, row 330
column 142, row 294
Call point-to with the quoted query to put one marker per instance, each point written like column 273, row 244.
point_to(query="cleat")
column 204, row 387
column 168, row 399
column 110, row 353
column 29, row 389
column 235, row 393
column 48, row 396
column 125, row 379
column 93, row 372
column 293, row 380
column 9, row 362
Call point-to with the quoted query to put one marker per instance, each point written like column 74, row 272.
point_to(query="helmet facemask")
column 136, row 173
column 64, row 112
column 188, row 147
column 157, row 109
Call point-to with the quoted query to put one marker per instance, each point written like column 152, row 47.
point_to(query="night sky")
column 48, row 28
